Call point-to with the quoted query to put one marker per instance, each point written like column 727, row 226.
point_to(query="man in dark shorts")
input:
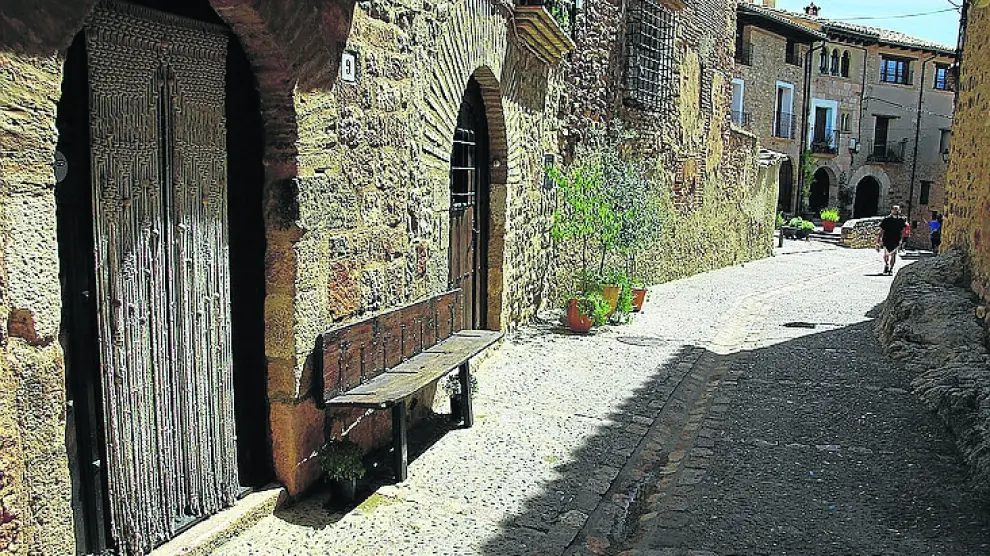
column 892, row 231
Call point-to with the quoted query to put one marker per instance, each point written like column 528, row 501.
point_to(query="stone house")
column 879, row 120
column 190, row 193
column 769, row 87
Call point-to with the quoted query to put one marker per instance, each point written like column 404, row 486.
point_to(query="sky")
column 941, row 27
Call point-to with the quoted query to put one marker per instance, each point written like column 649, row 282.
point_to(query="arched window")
column 845, row 64
column 824, row 62
column 835, row 62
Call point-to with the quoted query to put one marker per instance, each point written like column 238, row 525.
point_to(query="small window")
column 649, row 54
column 895, row 70
column 926, row 192
column 845, row 64
column 845, row 122
column 835, row 62
column 824, row 61
column 942, row 81
column 943, row 141
column 793, row 53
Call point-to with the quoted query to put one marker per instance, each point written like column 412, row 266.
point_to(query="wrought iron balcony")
column 546, row 26
column 827, row 143
column 744, row 53
column 887, row 152
column 784, row 125
column 742, row 119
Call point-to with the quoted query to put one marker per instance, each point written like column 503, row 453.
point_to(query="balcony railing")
column 784, row 125
column 744, row 53
column 827, row 143
column 887, row 152
column 546, row 26
column 742, row 119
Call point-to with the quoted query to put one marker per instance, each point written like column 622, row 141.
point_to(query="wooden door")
column 821, row 126
column 158, row 167
column 469, row 183
column 880, row 134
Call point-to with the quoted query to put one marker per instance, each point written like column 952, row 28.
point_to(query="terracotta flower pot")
column 611, row 294
column 639, row 297
column 828, row 226
column 576, row 320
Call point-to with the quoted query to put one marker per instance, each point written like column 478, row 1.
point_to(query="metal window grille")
column 649, row 55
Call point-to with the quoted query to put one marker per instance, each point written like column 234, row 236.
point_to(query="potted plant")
column 452, row 385
column 624, row 300
column 340, row 461
column 587, row 218
column 807, row 226
column 829, row 218
column 586, row 311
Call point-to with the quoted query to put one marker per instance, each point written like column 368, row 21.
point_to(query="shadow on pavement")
column 819, row 447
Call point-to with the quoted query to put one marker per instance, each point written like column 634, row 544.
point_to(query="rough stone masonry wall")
column 374, row 188
column 721, row 204
column 968, row 191
column 930, row 323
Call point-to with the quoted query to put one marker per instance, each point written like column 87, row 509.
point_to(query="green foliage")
column 625, row 305
column 593, row 306
column 587, row 214
column 796, row 222
column 807, row 225
column 780, row 221
column 340, row 460
column 561, row 16
column 830, row 215
column 808, row 172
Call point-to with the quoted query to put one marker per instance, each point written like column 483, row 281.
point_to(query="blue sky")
column 942, row 28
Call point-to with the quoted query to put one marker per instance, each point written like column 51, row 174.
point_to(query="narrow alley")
column 748, row 410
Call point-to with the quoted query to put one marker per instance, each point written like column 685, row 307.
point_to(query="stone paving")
column 705, row 427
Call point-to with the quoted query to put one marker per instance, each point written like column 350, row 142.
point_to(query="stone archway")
column 882, row 179
column 867, row 201
column 819, row 192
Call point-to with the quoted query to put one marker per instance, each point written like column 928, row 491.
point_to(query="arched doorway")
column 818, row 197
column 867, row 202
column 161, row 253
column 785, row 191
column 470, row 185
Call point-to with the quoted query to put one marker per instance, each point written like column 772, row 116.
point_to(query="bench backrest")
column 359, row 351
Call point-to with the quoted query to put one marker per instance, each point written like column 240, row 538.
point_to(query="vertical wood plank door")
column 160, row 232
column 469, row 192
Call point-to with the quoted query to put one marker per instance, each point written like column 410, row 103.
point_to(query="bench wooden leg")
column 401, row 452
column 466, row 406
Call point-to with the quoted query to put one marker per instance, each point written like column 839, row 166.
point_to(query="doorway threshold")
column 208, row 535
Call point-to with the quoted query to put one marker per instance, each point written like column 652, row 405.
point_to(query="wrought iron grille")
column 887, row 152
column 744, row 53
column 826, row 142
column 649, row 54
column 784, row 125
column 742, row 119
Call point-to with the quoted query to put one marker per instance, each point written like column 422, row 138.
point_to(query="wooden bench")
column 379, row 362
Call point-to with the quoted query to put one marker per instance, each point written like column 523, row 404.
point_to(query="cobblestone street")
column 747, row 411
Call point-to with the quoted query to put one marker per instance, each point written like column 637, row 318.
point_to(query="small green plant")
column 780, row 220
column 452, row 385
column 830, row 215
column 593, row 306
column 340, row 460
column 796, row 222
column 625, row 305
column 807, row 225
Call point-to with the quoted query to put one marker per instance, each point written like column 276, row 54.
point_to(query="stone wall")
column 932, row 324
column 721, row 203
column 966, row 224
column 861, row 233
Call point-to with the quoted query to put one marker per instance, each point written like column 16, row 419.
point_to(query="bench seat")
column 398, row 383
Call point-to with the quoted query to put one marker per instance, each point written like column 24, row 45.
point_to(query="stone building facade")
column 701, row 162
column 329, row 189
column 769, row 88
column 878, row 120
column 968, row 194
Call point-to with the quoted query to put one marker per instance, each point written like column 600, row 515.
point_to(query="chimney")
column 770, row 3
column 811, row 9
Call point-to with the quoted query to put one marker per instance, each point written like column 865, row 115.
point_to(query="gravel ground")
column 563, row 421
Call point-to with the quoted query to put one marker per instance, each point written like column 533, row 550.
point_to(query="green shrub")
column 340, row 460
column 625, row 305
column 780, row 220
column 796, row 222
column 593, row 306
column 807, row 225
column 830, row 215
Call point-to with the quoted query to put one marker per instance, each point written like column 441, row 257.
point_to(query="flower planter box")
column 537, row 27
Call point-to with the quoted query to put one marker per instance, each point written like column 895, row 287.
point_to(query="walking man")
column 893, row 228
